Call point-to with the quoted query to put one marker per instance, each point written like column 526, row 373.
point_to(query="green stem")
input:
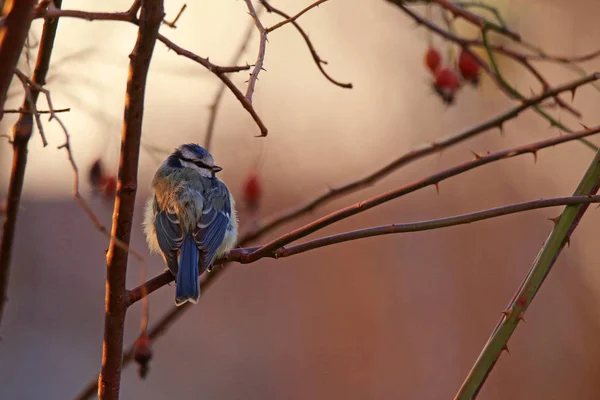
column 546, row 258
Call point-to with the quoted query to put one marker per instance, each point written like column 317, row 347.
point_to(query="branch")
column 295, row 17
column 414, row 155
column 13, row 34
column 130, row 16
column 21, row 135
column 476, row 20
column 214, row 107
column 151, row 15
column 494, row 71
column 171, row 24
column 258, row 65
column 317, row 59
column 270, row 248
column 434, row 223
column 560, row 235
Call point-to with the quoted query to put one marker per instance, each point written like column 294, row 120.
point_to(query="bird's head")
column 195, row 157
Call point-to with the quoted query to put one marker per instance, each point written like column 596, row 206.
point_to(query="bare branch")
column 151, row 15
column 214, row 107
column 171, row 24
column 317, row 59
column 494, row 71
column 411, row 156
column 434, row 223
column 532, row 148
column 295, row 17
column 476, row 20
column 130, row 16
column 258, row 65
column 253, row 254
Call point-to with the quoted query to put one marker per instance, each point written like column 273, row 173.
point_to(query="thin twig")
column 214, row 107
column 295, row 17
column 262, row 47
column 477, row 20
column 317, row 59
column 23, row 111
column 151, row 15
column 171, row 24
column 31, row 102
column 434, row 223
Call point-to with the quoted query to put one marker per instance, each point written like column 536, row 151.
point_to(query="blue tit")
column 191, row 217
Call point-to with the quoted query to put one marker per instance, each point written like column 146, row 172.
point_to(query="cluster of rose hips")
column 447, row 80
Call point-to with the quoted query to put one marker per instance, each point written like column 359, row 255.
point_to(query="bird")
column 190, row 218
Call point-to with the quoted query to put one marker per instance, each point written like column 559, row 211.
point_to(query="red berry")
column 446, row 83
column 252, row 190
column 433, row 59
column 110, row 187
column 468, row 66
column 142, row 354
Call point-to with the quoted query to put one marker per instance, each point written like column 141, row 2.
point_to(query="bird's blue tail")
column 188, row 287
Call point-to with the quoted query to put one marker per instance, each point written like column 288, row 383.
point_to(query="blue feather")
column 188, row 287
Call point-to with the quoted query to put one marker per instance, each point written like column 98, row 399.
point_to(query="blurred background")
column 401, row 316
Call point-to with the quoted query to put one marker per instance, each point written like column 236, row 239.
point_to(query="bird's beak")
column 216, row 169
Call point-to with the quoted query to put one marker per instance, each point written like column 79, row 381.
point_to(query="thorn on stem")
column 554, row 220
column 437, row 187
column 477, row 155
column 535, row 156
column 505, row 348
column 507, row 313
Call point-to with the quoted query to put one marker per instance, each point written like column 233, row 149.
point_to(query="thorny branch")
column 543, row 263
column 414, row 155
column 262, row 47
column 161, row 326
column 214, row 107
column 273, row 248
column 493, row 71
column 269, row 249
column 434, row 223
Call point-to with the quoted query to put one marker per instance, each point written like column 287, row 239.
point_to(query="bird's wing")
column 211, row 228
column 168, row 234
